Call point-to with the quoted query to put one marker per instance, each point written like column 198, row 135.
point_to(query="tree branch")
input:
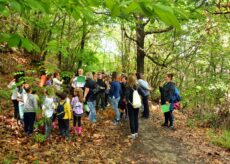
column 129, row 37
column 159, row 31
column 220, row 13
column 155, row 62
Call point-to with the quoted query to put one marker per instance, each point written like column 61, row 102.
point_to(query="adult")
column 79, row 80
column 144, row 91
column 167, row 92
column 101, row 94
column 123, row 102
column 132, row 112
column 90, row 97
column 13, row 86
column 114, row 95
column 56, row 81
column 94, row 76
column 107, row 80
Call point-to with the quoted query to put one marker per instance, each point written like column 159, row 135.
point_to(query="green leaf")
column 27, row 44
column 182, row 13
column 109, row 4
column 166, row 14
column 4, row 37
column 115, row 11
column 132, row 7
column 4, row 11
column 14, row 40
column 37, row 5
column 93, row 2
column 15, row 5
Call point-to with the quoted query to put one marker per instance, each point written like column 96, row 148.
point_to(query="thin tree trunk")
column 140, row 37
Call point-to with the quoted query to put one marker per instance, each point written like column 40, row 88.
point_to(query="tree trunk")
column 61, row 37
column 140, row 40
column 82, row 41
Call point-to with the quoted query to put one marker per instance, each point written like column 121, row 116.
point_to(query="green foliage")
column 5, row 93
column 39, row 123
column 222, row 140
column 39, row 138
column 15, row 40
column 51, row 63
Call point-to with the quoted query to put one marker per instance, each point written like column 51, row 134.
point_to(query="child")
column 20, row 97
column 77, row 106
column 30, row 106
column 63, row 120
column 48, row 108
column 12, row 85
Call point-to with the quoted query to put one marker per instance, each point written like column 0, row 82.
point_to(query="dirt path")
column 155, row 148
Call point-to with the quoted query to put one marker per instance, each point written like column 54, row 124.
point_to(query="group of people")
column 86, row 94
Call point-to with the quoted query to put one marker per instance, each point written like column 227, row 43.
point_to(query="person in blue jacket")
column 114, row 96
column 167, row 93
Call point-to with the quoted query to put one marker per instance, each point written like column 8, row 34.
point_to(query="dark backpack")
column 60, row 111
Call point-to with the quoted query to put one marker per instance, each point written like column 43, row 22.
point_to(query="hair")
column 132, row 81
column 138, row 74
column 56, row 74
column 62, row 95
column 50, row 91
column 27, row 88
column 124, row 77
column 89, row 75
column 170, row 75
column 79, row 93
column 114, row 76
column 48, row 77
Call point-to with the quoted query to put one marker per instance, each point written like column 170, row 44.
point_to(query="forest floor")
column 106, row 143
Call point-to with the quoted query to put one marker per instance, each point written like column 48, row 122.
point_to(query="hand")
column 167, row 102
column 84, row 99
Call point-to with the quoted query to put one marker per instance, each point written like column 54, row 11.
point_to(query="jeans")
column 133, row 119
column 21, row 111
column 100, row 98
column 16, row 110
column 63, row 127
column 92, row 113
column 48, row 126
column 146, row 106
column 29, row 119
column 115, row 102
column 169, row 118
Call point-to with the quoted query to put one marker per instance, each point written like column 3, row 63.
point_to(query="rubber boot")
column 75, row 130
column 54, row 126
column 79, row 130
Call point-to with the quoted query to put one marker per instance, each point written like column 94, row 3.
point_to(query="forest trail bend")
column 159, row 145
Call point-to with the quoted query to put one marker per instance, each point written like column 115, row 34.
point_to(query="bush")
column 222, row 140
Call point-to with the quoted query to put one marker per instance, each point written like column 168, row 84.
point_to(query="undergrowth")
column 222, row 140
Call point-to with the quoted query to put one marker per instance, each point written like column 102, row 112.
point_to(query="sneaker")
column 164, row 125
column 115, row 122
column 136, row 135
column 171, row 127
column 132, row 136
